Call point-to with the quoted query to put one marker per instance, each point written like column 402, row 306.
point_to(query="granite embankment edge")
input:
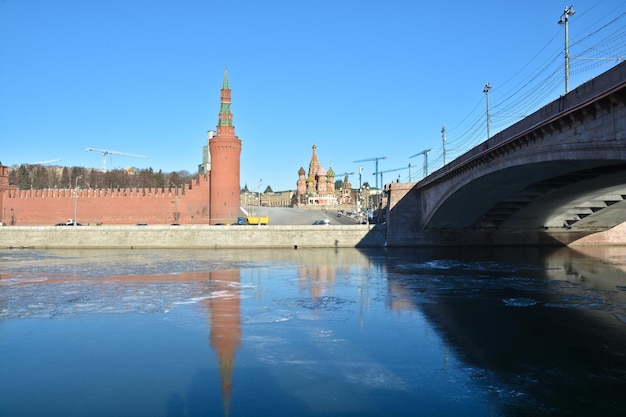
column 191, row 236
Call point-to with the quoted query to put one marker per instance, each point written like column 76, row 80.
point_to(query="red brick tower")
column 225, row 149
column 4, row 178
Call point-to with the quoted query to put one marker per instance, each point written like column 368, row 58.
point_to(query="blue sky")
column 359, row 79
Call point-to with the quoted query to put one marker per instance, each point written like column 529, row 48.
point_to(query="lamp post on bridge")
column 569, row 11
column 486, row 91
column 443, row 139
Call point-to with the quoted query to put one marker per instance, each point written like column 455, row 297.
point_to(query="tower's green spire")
column 225, row 116
column 225, row 83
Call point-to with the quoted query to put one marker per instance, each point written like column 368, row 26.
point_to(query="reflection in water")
column 489, row 331
column 225, row 318
column 317, row 280
column 218, row 290
column 554, row 332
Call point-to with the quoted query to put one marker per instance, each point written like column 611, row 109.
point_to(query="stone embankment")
column 192, row 236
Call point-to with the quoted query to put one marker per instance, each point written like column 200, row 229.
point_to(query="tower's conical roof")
column 314, row 157
column 225, row 82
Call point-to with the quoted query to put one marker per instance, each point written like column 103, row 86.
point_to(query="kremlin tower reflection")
column 225, row 317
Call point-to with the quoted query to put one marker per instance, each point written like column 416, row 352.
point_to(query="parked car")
column 69, row 222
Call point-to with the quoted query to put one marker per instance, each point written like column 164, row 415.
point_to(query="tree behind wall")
column 37, row 177
column 23, row 178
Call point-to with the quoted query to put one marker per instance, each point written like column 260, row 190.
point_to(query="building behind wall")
column 205, row 166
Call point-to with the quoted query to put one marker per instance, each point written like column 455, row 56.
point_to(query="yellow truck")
column 253, row 220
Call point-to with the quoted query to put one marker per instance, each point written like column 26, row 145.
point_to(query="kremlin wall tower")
column 212, row 199
column 225, row 152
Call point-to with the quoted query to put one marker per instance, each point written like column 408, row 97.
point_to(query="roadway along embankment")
column 192, row 236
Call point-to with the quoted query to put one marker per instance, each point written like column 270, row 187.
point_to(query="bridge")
column 554, row 177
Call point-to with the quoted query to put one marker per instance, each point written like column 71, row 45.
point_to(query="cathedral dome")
column 321, row 172
column 330, row 172
column 301, row 171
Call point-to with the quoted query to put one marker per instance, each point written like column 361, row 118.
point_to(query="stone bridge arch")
column 560, row 170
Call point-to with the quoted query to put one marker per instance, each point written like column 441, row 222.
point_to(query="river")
column 315, row 332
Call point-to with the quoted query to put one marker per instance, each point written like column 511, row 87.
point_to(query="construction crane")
column 425, row 153
column 106, row 152
column 46, row 162
column 390, row 170
column 373, row 159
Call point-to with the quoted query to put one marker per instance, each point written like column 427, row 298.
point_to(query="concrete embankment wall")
column 191, row 236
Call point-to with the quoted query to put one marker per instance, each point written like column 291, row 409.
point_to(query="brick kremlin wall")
column 107, row 206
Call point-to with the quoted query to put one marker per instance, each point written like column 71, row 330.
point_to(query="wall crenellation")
column 95, row 193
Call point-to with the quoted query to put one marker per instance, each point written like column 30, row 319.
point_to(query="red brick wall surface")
column 107, row 206
column 225, row 198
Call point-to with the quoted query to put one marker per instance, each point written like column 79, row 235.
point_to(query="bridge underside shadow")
column 545, row 203
column 575, row 196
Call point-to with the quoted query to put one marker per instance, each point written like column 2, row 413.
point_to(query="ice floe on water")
column 519, row 302
column 21, row 280
column 477, row 266
column 318, row 308
column 325, row 336
column 323, row 303
column 373, row 375
column 66, row 298
column 268, row 317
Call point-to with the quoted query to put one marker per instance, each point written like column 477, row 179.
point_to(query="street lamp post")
column 259, row 214
column 366, row 192
column 443, row 139
column 486, row 91
column 569, row 11
column 76, row 199
column 259, row 209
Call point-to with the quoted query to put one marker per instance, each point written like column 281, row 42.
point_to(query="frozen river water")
column 316, row 332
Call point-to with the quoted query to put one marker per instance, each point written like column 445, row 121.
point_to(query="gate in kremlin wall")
column 213, row 198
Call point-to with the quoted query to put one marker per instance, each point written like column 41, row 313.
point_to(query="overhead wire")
column 535, row 88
